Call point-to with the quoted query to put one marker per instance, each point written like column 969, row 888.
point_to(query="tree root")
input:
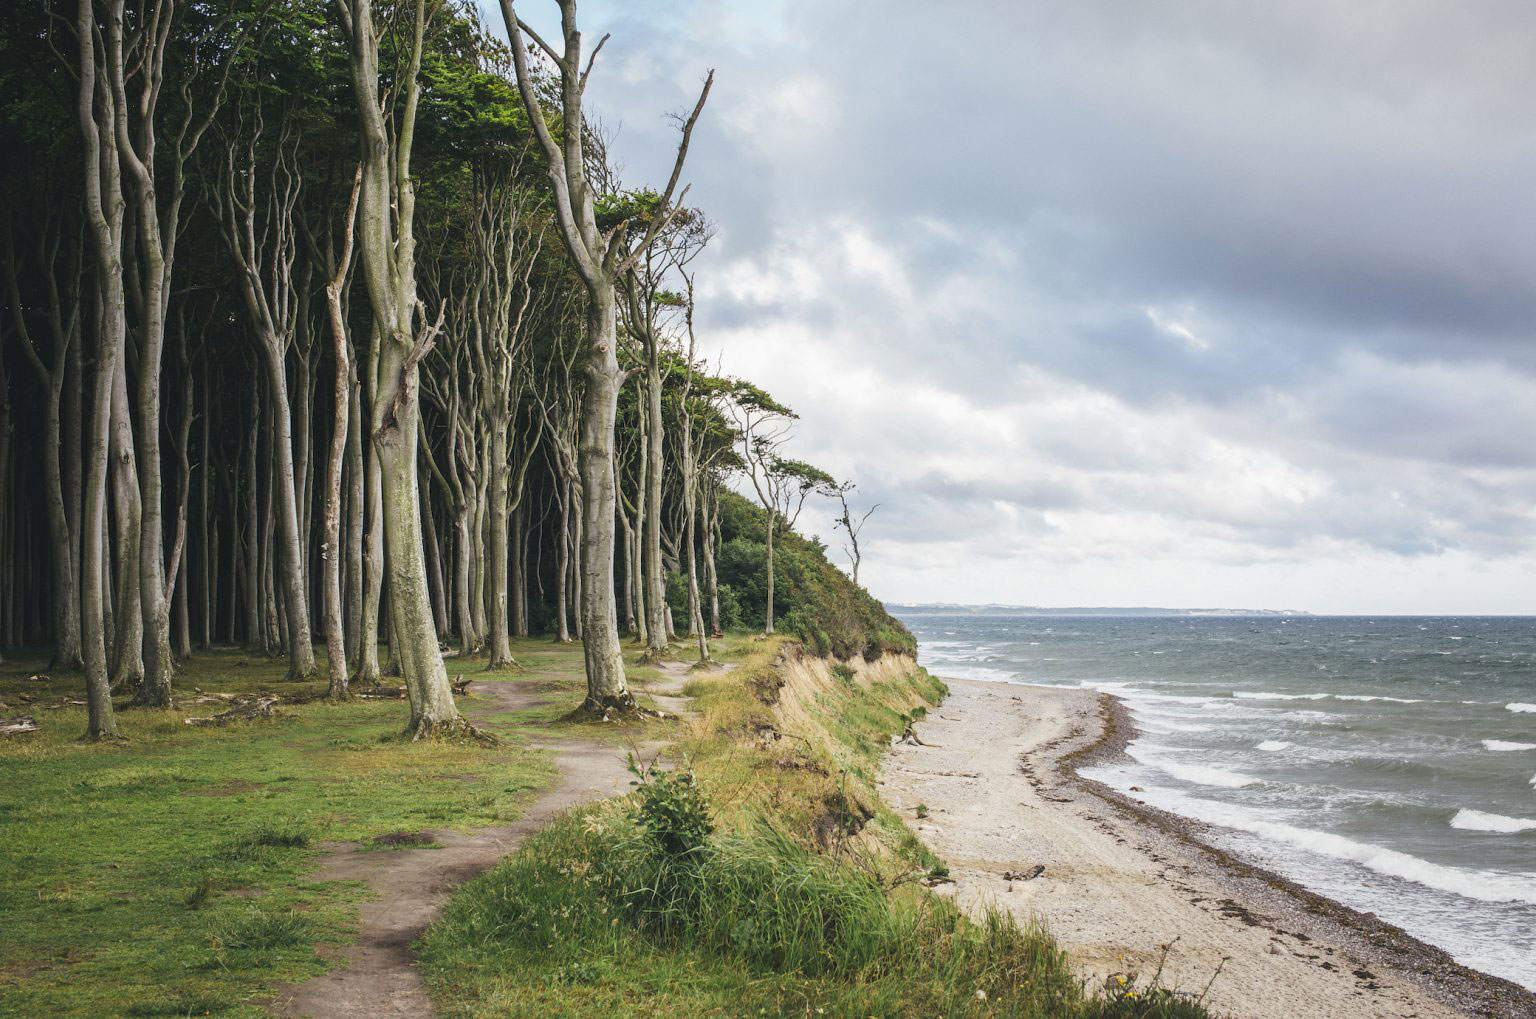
column 103, row 737
column 621, row 708
column 453, row 730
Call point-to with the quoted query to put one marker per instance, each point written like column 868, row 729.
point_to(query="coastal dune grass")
column 761, row 876
column 591, row 917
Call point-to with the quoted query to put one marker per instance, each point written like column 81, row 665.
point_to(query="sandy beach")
column 1121, row 881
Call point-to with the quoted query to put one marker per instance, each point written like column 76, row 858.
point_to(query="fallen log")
column 381, row 693
column 17, row 725
column 245, row 712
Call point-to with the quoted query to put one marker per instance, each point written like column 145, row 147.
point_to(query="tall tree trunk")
column 301, row 650
column 331, row 550
column 519, row 568
column 655, row 570
column 206, row 538
column 500, row 523
column 253, row 600
column 355, row 499
column 388, row 247
column 368, row 671
column 477, row 571
column 415, row 635
column 768, row 623
column 272, row 627
column 626, row 548
column 128, row 649
column 469, row 639
column 711, row 577
column 104, row 214
column 562, row 565
column 434, row 552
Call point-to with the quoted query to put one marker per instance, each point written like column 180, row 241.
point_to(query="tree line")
column 332, row 321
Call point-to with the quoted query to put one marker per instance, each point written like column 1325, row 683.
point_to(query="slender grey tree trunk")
column 655, row 569
column 415, row 638
column 626, row 547
column 66, row 593
column 768, row 625
column 500, row 523
column 104, row 215
column 290, row 559
column 253, row 634
column 206, row 537
column 128, row 649
column 562, row 565
column 518, row 585
column 355, row 499
column 469, row 640
column 368, row 671
column 331, row 548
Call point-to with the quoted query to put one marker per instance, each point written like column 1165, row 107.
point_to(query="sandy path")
column 377, row 977
column 1114, row 891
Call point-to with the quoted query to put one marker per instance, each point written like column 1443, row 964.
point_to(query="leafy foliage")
column 670, row 809
column 819, row 604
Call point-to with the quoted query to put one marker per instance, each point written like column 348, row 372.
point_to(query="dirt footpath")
column 377, row 977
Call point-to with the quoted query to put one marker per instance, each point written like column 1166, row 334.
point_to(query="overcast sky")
column 1114, row 303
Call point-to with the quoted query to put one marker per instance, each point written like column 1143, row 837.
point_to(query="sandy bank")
column 1118, row 884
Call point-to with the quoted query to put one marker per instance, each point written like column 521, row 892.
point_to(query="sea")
column 1388, row 763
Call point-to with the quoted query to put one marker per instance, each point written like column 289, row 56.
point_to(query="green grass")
column 167, row 875
column 797, row 895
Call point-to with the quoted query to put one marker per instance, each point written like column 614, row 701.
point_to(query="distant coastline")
column 936, row 608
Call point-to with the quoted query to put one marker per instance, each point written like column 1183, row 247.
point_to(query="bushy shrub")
column 670, row 809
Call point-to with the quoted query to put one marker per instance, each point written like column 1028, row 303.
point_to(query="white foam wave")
column 1506, row 746
column 1527, row 709
column 1266, row 696
column 1275, row 744
column 1377, row 697
column 1476, row 820
column 1197, row 774
column 1483, row 885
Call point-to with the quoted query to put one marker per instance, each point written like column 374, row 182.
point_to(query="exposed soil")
column 377, row 977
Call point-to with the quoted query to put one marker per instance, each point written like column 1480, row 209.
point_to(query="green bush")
column 671, row 810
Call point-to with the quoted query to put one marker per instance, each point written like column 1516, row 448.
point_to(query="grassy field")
column 761, row 875
column 166, row 875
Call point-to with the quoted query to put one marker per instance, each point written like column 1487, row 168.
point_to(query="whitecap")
column 1275, row 744
column 1476, row 820
column 1526, row 709
column 1506, row 745
column 1483, row 885
column 1266, row 696
column 1378, row 697
column 1197, row 774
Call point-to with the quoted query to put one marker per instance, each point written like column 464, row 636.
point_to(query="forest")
column 314, row 336
column 400, row 613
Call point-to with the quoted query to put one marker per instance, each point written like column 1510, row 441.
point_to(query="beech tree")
column 601, row 254
column 782, row 485
column 402, row 336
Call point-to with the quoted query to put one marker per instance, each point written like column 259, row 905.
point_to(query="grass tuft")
column 258, row 927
